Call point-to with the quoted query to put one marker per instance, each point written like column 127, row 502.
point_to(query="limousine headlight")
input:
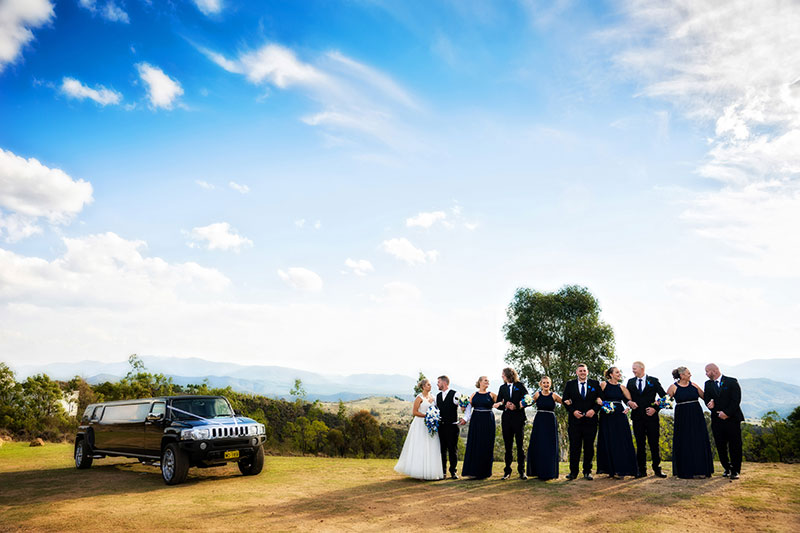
column 195, row 434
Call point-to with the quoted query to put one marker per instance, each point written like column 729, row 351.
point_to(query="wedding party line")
column 597, row 411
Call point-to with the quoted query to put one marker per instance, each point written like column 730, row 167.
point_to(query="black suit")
column 727, row 433
column 581, row 431
column 513, row 423
column 448, row 430
column 646, row 429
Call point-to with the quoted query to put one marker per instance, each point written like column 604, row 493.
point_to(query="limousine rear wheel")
column 83, row 455
column 174, row 465
column 253, row 464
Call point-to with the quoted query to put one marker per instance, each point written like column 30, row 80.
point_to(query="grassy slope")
column 40, row 490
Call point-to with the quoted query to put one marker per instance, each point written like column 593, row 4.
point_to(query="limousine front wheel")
column 254, row 464
column 83, row 455
column 174, row 465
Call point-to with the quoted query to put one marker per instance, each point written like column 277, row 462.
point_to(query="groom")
column 643, row 389
column 580, row 398
column 449, row 426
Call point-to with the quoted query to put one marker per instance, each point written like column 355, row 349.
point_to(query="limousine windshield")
column 193, row 408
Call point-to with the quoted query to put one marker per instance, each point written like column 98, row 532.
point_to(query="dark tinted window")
column 196, row 408
column 98, row 413
column 134, row 412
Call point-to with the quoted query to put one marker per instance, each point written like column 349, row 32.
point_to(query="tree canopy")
column 552, row 332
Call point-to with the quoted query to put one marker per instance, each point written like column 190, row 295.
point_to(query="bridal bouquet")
column 608, row 407
column 432, row 419
column 663, row 403
column 463, row 401
column 527, row 400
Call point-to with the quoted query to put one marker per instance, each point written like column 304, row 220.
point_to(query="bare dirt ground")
column 40, row 490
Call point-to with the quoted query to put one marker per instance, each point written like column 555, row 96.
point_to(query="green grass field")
column 40, row 490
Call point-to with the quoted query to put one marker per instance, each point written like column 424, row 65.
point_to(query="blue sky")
column 361, row 186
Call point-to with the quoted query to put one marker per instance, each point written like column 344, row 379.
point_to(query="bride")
column 421, row 457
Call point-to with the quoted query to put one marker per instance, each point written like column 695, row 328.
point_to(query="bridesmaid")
column 479, row 456
column 691, row 447
column 543, row 448
column 616, row 455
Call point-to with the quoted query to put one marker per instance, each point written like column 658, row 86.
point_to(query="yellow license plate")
column 233, row 454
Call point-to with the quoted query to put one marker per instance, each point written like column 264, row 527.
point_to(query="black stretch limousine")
column 176, row 431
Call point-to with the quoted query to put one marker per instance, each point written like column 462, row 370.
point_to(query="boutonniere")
column 590, row 387
column 649, row 384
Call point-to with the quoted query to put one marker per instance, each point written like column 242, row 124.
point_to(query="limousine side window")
column 97, row 414
column 134, row 412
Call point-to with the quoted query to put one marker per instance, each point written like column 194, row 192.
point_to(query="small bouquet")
column 527, row 400
column 608, row 407
column 463, row 401
column 663, row 403
column 432, row 419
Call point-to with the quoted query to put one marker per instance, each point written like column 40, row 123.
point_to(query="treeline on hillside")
column 34, row 408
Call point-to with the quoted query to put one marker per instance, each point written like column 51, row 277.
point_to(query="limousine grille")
column 222, row 432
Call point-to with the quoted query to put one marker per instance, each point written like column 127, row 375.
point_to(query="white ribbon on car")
column 235, row 422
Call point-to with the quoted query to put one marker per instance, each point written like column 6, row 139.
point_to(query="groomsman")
column 646, row 425
column 580, row 398
column 509, row 399
column 723, row 395
column 449, row 425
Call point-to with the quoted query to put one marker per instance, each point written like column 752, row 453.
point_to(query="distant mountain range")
column 767, row 384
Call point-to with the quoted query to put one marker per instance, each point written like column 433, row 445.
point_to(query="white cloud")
column 243, row 189
column 162, row 90
column 355, row 98
column 301, row 278
column 209, row 7
column 115, row 13
column 360, row 267
column 30, row 190
column 398, row 292
column 205, row 185
column 722, row 64
column 425, row 220
column 218, row 236
column 101, row 270
column 300, row 222
column 405, row 251
column 17, row 20
column 75, row 89
column 317, row 224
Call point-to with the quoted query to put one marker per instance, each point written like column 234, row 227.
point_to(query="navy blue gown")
column 543, row 448
column 479, row 456
column 691, row 447
column 616, row 455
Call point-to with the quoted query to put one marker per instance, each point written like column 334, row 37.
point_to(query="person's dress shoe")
column 726, row 473
column 570, row 477
column 523, row 476
column 588, row 477
column 659, row 473
column 507, row 476
column 734, row 475
column 641, row 474
column 453, row 476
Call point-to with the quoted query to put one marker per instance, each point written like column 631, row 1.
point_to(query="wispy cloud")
column 360, row 267
column 109, row 11
column 162, row 91
column 238, row 187
column 77, row 90
column 218, row 236
column 425, row 220
column 205, row 185
column 17, row 20
column 209, row 7
column 356, row 99
column 301, row 278
column 403, row 250
column 722, row 64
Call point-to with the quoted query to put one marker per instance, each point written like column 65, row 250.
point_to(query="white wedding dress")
column 421, row 457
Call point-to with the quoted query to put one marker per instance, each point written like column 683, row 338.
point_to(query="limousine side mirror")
column 155, row 417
